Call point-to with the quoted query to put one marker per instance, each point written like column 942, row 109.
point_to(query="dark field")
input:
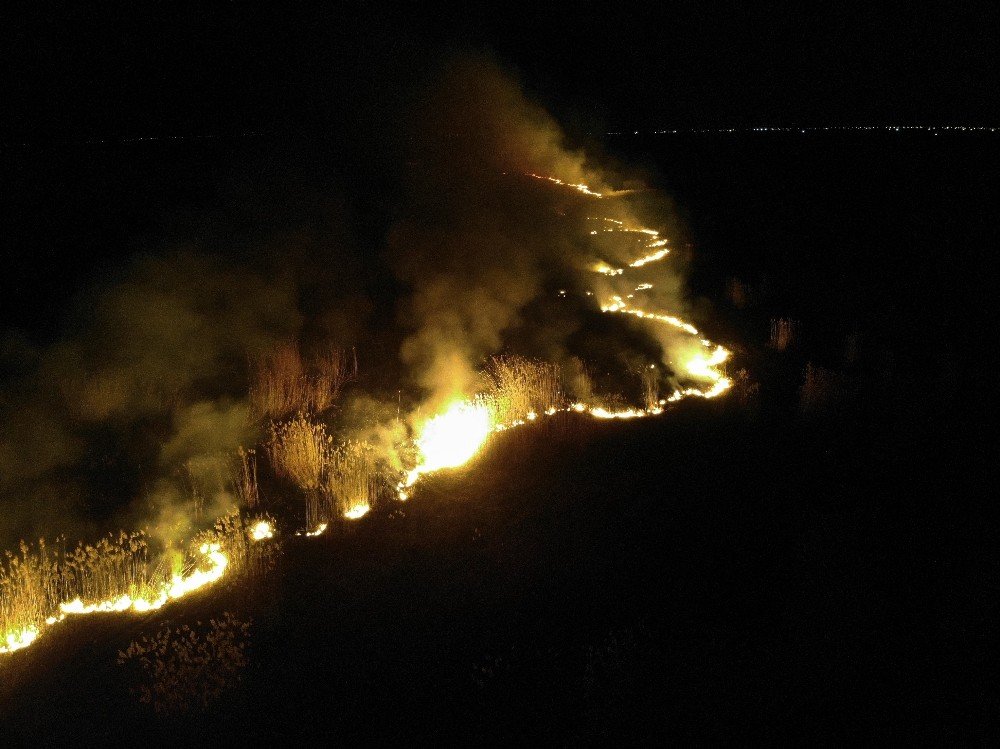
column 788, row 562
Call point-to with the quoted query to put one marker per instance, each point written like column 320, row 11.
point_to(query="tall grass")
column 335, row 479
column 517, row 387
column 352, row 480
column 31, row 588
column 784, row 332
column 233, row 534
column 245, row 479
column 35, row 581
column 651, row 388
column 298, row 451
column 115, row 566
column 283, row 382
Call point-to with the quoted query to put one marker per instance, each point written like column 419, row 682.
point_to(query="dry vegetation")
column 245, row 479
column 784, row 331
column 746, row 391
column 518, row 386
column 233, row 533
column 298, row 450
column 284, row 383
column 352, row 480
column 334, row 479
column 36, row 581
column 182, row 668
column 651, row 388
column 821, row 389
column 30, row 588
column 113, row 567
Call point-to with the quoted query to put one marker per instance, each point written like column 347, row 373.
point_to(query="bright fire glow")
column 356, row 512
column 20, row 639
column 450, row 439
column 261, row 530
column 651, row 258
column 704, row 366
column 179, row 585
column 580, row 187
column 213, row 566
column 447, row 440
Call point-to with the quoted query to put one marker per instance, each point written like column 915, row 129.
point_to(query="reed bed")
column 352, row 480
column 518, row 387
column 283, row 382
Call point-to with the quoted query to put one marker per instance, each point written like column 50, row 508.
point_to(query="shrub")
column 183, row 668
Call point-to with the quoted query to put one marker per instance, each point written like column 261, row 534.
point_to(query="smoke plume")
column 135, row 414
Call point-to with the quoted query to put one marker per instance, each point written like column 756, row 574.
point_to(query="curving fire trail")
column 451, row 438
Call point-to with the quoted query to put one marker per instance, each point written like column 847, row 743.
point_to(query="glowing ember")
column 651, row 258
column 21, row 639
column 261, row 531
column 580, row 187
column 318, row 531
column 702, row 366
column 357, row 512
column 451, row 439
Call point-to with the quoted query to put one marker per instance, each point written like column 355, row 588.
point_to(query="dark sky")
column 128, row 69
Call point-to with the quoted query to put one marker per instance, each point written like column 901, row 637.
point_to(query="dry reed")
column 784, row 331
column 517, row 387
column 245, row 479
column 298, row 450
column 284, row 383
column 351, row 481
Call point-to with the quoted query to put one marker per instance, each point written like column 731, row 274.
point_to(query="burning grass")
column 518, row 388
column 351, row 483
column 42, row 585
column 337, row 480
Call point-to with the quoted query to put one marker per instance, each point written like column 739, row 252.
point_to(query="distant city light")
column 935, row 129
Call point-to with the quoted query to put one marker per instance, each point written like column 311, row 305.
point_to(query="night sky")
column 118, row 70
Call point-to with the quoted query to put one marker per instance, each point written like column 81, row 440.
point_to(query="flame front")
column 214, row 564
column 450, row 439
